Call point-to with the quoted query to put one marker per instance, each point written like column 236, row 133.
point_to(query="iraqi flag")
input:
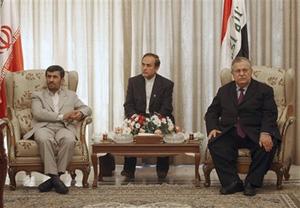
column 11, row 58
column 234, row 39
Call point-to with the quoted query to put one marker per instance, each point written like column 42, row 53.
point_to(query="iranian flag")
column 234, row 37
column 11, row 58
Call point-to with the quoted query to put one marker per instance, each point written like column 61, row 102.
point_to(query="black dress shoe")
column 59, row 186
column 236, row 186
column 161, row 174
column 249, row 190
column 46, row 186
column 127, row 174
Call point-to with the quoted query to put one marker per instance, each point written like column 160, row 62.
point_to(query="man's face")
column 148, row 67
column 242, row 73
column 54, row 81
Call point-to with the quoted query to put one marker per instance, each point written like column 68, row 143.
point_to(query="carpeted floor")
column 146, row 196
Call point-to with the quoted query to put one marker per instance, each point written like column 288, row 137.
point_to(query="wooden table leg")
column 197, row 175
column 95, row 167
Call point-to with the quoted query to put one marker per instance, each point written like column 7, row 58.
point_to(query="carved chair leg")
column 12, row 178
column 286, row 171
column 279, row 170
column 207, row 168
column 73, row 176
column 279, row 173
column 86, row 173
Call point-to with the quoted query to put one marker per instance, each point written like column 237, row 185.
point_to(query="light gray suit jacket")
column 43, row 110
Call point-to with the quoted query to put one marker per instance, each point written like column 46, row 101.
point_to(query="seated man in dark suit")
column 243, row 114
column 148, row 93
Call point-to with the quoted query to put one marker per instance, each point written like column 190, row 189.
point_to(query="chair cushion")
column 243, row 155
column 29, row 148
column 243, row 152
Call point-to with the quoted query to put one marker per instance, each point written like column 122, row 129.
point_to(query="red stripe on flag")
column 11, row 58
column 16, row 63
column 226, row 16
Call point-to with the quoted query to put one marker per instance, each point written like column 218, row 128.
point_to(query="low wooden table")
column 145, row 150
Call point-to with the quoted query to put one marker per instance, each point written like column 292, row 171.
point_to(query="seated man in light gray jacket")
column 56, row 111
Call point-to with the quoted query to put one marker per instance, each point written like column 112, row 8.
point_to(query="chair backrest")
column 19, row 87
column 282, row 81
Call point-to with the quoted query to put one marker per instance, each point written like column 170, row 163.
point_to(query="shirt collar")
column 57, row 92
column 150, row 80
column 245, row 88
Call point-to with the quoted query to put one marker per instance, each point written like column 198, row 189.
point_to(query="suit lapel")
column 155, row 88
column 143, row 89
column 233, row 93
column 62, row 99
column 250, row 91
column 48, row 100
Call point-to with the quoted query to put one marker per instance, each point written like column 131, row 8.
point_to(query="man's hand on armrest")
column 213, row 133
column 73, row 115
column 265, row 141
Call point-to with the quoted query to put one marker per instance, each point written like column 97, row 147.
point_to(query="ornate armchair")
column 282, row 82
column 23, row 155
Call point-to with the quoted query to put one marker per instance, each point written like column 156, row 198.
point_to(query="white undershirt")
column 238, row 90
column 55, row 100
column 149, row 85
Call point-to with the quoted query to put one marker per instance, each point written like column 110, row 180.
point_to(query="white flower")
column 156, row 121
column 137, row 125
column 171, row 127
column 164, row 121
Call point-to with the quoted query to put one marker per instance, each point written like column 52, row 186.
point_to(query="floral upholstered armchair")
column 23, row 155
column 282, row 82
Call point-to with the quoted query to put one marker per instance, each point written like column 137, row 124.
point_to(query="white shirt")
column 55, row 100
column 238, row 90
column 148, row 86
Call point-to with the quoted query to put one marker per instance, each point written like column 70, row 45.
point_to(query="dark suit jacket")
column 257, row 112
column 160, row 101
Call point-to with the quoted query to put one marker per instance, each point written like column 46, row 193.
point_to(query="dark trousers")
column 162, row 164
column 224, row 152
column 107, row 165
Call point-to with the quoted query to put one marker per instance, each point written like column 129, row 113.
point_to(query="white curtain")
column 104, row 41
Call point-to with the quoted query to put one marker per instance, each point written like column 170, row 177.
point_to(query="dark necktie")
column 241, row 95
column 239, row 130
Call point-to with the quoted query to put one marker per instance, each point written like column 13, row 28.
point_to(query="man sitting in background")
column 148, row 93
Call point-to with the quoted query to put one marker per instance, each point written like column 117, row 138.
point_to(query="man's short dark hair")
column 55, row 68
column 157, row 61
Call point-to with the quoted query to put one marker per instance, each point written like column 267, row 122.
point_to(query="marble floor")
column 146, row 174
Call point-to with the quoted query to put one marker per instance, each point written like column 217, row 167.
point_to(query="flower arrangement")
column 156, row 124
